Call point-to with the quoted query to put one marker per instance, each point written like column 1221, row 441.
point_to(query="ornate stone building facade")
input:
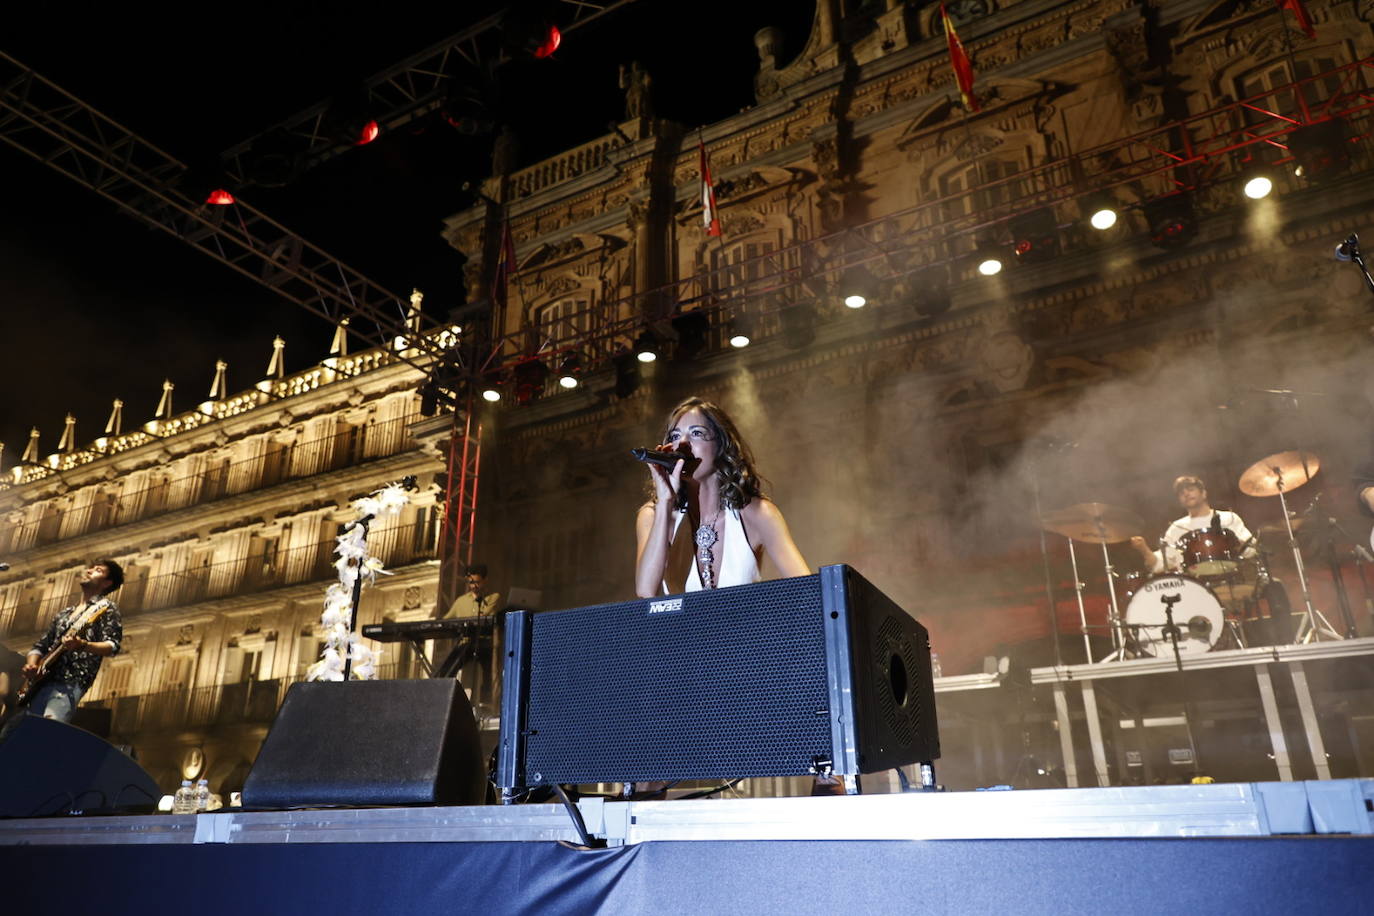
column 224, row 519
column 912, row 438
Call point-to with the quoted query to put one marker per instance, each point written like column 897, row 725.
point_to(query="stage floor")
column 1251, row 847
column 1327, row 807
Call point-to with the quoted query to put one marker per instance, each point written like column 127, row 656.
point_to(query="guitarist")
column 70, row 674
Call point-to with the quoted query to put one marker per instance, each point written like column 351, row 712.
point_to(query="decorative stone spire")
column 219, row 388
column 68, row 440
column 417, row 299
column 30, row 455
column 164, row 406
column 340, row 345
column 115, row 424
column 277, row 367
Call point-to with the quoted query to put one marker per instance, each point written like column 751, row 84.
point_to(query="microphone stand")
column 407, row 483
column 1045, row 562
column 1349, row 250
column 1171, row 633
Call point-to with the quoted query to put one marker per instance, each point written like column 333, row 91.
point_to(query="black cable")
column 707, row 793
column 71, row 803
column 901, row 778
column 576, row 816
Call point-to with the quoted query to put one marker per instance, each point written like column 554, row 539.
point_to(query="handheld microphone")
column 665, row 460
column 1348, row 250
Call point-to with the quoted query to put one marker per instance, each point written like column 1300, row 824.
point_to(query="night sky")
column 97, row 305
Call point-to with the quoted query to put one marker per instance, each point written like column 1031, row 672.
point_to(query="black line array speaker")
column 401, row 742
column 779, row 678
column 49, row 767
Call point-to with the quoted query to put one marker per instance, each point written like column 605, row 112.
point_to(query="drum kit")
column 1218, row 583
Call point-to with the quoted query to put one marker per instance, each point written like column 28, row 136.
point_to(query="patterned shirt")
column 77, row 667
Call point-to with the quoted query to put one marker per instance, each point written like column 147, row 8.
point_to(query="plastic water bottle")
column 202, row 796
column 184, row 801
column 935, row 665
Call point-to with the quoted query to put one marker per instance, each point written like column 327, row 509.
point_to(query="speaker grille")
column 726, row 686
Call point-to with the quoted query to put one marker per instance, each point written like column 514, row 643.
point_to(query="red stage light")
column 368, row 133
column 552, row 39
column 219, row 198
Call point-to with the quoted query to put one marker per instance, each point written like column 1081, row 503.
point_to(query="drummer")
column 1192, row 496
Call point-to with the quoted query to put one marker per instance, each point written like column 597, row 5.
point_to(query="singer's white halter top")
column 738, row 564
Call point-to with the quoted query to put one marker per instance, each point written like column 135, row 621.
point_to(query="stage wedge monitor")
column 779, row 678
column 360, row 743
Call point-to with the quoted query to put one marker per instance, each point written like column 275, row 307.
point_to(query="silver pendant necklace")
column 706, row 538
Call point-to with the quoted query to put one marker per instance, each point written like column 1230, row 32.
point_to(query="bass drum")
column 1198, row 615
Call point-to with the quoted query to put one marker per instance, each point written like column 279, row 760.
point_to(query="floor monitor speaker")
column 779, row 678
column 362, row 743
column 49, row 767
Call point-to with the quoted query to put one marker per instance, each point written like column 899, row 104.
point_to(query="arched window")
column 1280, row 73
column 563, row 321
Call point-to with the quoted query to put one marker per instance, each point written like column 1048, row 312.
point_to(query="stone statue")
column 635, row 82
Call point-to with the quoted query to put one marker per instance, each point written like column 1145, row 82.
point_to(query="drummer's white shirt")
column 1182, row 526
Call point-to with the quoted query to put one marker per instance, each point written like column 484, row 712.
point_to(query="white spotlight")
column 1103, row 219
column 1258, row 187
column 990, row 267
column 855, row 301
column 491, row 394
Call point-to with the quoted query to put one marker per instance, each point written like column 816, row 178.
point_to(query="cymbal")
column 1094, row 523
column 1278, row 529
column 1293, row 468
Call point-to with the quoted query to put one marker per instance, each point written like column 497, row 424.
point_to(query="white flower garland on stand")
column 356, row 567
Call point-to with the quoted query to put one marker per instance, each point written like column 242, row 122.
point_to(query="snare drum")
column 1198, row 615
column 1210, row 552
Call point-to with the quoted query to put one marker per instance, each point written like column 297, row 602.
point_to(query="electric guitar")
column 45, row 665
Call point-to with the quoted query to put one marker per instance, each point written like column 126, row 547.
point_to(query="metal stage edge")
column 1325, row 807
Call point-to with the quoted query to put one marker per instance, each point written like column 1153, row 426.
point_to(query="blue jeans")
column 56, row 700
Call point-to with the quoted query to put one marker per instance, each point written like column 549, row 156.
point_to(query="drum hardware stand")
column 1121, row 652
column 1309, row 630
column 1045, row 562
column 1337, row 579
column 1078, row 586
column 1171, row 633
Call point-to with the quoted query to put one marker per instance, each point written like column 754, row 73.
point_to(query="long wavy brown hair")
column 739, row 482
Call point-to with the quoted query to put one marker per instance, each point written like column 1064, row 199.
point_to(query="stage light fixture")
column 206, row 183
column 528, row 29
column 569, row 370
column 627, row 375
column 646, row 346
column 989, row 259
column 692, row 329
column 1322, row 150
column 1257, row 187
column 529, row 377
column 273, row 161
column 1101, row 210
column 492, row 383
column 349, row 119
column 857, row 285
column 798, row 324
column 219, row 198
column 1171, row 221
column 741, row 331
column 466, row 110
column 930, row 290
column 1035, row 236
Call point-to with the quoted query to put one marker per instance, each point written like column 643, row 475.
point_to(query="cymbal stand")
column 1082, row 612
column 1310, row 630
column 1120, row 651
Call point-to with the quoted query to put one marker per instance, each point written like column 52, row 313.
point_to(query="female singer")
column 730, row 524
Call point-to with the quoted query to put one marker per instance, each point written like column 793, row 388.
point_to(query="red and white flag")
column 710, row 216
column 1299, row 12
column 963, row 67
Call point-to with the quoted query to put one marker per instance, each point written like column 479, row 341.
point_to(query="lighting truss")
column 406, row 91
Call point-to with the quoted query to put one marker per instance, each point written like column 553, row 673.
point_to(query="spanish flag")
column 710, row 216
column 963, row 67
column 1299, row 13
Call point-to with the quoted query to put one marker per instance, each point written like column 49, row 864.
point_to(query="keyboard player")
column 472, row 660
